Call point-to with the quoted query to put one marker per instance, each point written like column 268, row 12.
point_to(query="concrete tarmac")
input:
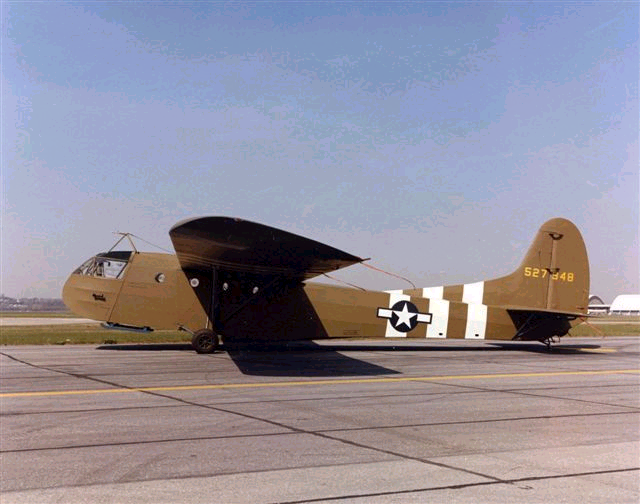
column 337, row 421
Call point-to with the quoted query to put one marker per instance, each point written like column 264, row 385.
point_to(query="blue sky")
column 433, row 137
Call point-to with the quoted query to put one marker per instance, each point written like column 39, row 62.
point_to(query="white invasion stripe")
column 476, row 321
column 473, row 293
column 394, row 297
column 439, row 309
column 433, row 292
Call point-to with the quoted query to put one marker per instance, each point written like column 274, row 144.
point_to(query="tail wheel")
column 205, row 341
column 548, row 341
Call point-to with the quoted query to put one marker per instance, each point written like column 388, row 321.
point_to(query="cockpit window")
column 105, row 265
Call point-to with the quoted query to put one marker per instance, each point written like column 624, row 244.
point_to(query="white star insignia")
column 404, row 316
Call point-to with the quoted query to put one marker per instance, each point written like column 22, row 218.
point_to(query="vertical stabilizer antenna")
column 122, row 237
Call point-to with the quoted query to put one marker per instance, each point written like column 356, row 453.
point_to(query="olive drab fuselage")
column 543, row 298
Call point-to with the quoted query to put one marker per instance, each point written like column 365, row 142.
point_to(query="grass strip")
column 74, row 334
column 584, row 330
column 11, row 314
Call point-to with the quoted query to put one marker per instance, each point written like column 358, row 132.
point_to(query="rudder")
column 554, row 275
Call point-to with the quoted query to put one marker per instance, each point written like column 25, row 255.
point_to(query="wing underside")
column 247, row 247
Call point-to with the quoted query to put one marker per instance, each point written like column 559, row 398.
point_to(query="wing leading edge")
column 239, row 245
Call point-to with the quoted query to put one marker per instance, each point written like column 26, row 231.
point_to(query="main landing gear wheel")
column 205, row 341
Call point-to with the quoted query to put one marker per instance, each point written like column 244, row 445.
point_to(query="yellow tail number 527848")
column 565, row 276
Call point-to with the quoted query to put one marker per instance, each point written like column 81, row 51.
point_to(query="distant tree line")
column 31, row 304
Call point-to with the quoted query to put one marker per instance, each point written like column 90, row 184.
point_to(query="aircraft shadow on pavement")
column 306, row 359
column 148, row 347
column 310, row 359
column 386, row 347
column 450, row 346
column 315, row 361
column 538, row 348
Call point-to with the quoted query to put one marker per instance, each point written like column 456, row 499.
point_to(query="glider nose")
column 89, row 297
column 71, row 295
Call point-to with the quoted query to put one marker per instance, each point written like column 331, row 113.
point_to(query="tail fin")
column 554, row 275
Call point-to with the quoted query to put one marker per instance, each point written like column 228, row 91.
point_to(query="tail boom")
column 544, row 297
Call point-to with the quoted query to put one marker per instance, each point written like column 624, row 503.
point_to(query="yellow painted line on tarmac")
column 348, row 381
column 598, row 350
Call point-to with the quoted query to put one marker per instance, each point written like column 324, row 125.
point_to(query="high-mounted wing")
column 239, row 245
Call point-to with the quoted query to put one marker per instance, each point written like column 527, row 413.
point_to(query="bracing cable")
column 152, row 244
column 390, row 274
column 344, row 282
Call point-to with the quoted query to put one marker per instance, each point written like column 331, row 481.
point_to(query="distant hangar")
column 624, row 304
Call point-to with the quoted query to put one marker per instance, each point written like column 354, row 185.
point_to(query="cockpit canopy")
column 105, row 265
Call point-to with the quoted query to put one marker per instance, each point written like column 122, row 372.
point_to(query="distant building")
column 8, row 304
column 597, row 306
column 625, row 304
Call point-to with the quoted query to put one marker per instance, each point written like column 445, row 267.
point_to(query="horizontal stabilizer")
column 238, row 245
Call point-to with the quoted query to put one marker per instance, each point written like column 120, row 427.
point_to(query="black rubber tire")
column 205, row 341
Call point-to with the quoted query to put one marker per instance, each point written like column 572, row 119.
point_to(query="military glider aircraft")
column 246, row 283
